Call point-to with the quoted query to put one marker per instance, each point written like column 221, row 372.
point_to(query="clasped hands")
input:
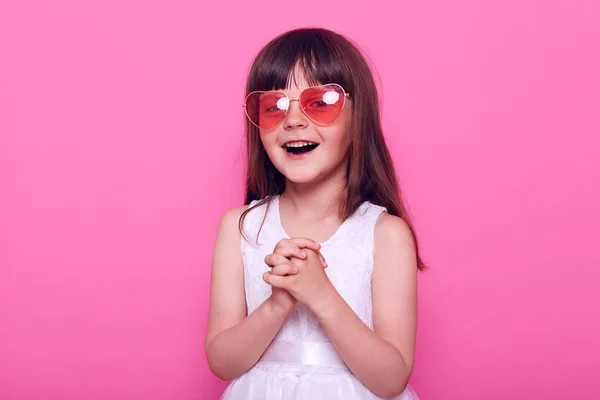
column 297, row 274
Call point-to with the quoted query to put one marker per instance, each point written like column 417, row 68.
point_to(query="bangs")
column 308, row 53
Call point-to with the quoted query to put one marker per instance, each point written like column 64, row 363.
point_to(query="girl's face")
column 284, row 142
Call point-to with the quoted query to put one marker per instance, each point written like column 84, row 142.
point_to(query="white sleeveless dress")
column 301, row 363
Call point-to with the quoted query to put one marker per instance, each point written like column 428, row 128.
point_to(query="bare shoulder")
column 229, row 222
column 391, row 230
column 395, row 247
column 233, row 214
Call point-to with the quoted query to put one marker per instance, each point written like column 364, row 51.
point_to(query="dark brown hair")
column 326, row 57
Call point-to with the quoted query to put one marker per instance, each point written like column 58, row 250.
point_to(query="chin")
column 309, row 174
column 305, row 174
column 302, row 178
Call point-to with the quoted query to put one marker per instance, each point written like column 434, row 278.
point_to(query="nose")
column 295, row 117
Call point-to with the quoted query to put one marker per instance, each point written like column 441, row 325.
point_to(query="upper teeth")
column 298, row 144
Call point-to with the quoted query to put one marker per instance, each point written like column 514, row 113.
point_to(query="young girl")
column 314, row 280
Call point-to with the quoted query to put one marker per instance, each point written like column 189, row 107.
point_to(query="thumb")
column 274, row 280
column 323, row 262
column 320, row 256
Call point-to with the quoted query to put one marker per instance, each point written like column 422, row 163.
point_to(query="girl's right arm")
column 234, row 341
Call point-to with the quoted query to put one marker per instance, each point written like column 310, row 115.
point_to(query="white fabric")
column 301, row 363
column 305, row 353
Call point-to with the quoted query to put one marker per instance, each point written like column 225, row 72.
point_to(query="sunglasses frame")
column 346, row 96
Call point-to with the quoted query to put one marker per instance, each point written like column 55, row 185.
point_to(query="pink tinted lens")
column 266, row 109
column 323, row 103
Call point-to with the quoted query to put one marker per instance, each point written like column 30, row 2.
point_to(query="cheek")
column 337, row 144
column 344, row 124
column 267, row 139
column 340, row 135
column 269, row 142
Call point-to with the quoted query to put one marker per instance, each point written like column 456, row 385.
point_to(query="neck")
column 317, row 200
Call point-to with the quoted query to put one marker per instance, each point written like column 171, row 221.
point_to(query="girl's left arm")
column 382, row 359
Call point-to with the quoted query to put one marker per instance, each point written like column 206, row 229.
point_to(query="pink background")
column 120, row 148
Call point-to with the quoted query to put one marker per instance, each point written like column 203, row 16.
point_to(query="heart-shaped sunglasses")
column 322, row 104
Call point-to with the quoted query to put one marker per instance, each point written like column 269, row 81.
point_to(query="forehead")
column 298, row 80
